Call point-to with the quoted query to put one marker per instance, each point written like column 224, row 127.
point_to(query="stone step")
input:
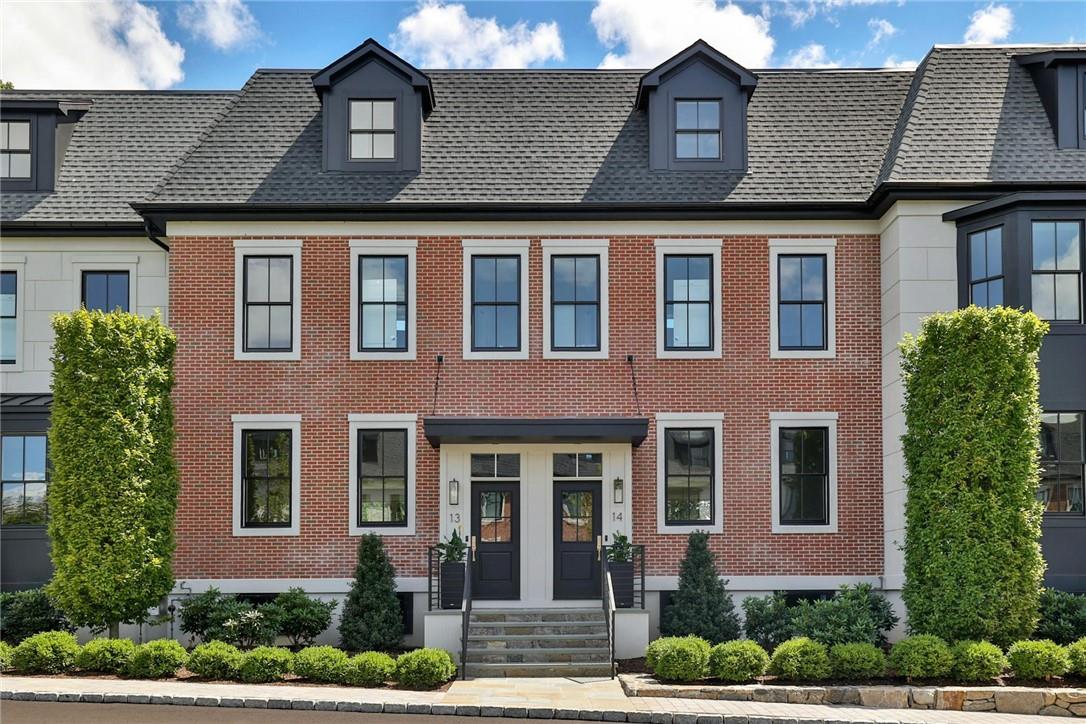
column 530, row 655
column 522, row 641
column 499, row 629
column 547, row 669
column 536, row 615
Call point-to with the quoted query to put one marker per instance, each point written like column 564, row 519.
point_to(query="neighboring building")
column 545, row 307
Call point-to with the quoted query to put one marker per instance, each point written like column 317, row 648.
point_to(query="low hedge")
column 977, row 661
column 324, row 664
column 371, row 668
column 800, row 659
column 1038, row 659
column 679, row 658
column 738, row 661
column 215, row 660
column 6, row 651
column 264, row 664
column 49, row 652
column 424, row 668
column 1076, row 656
column 107, row 656
column 921, row 657
column 156, row 659
column 857, row 661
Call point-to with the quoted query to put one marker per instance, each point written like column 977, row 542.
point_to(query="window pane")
column 361, row 145
column 814, row 268
column 708, row 145
column 20, row 165
column 676, row 320
column 373, row 333
column 371, row 506
column 278, row 501
column 19, row 136
column 279, row 281
column 7, row 293
column 483, row 327
column 565, row 465
column 12, row 513
column 383, row 115
column 812, row 450
column 1067, row 302
column 483, row 278
column 396, row 499
column 995, row 293
column 686, row 145
column 699, row 278
column 698, row 332
column 508, row 331
column 7, row 339
column 791, row 288
column 12, row 454
column 564, row 315
column 256, row 330
column 709, row 115
column 384, row 145
column 686, row 114
column 788, row 318
column 1068, row 256
column 587, row 279
column 117, row 291
column 977, row 255
column 812, row 333
column 482, row 465
column 394, row 445
column 34, row 504
column 34, row 457
column 256, row 280
column 978, row 294
column 369, row 451
column 4, row 134
column 700, row 451
column 563, row 279
column 814, row 499
column 508, row 280
column 1049, row 434
column 5, row 165
column 586, row 325
column 508, row 465
column 396, row 279
column 95, row 290
column 373, row 283
column 1044, row 245
column 1044, row 296
column 590, row 465
column 995, row 251
column 361, row 115
column 675, row 278
column 279, row 331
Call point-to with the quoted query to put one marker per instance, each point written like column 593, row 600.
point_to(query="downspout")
column 153, row 237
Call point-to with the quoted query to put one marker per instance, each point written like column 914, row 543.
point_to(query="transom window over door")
column 382, row 477
column 8, row 310
column 1057, row 270
column 383, row 303
column 1062, row 455
column 575, row 302
column 266, row 478
column 25, row 472
column 105, row 291
column 373, row 130
column 495, row 303
column 801, row 288
column 697, row 129
column 986, row 267
column 688, row 302
column 689, row 469
column 269, row 301
column 15, row 149
column 578, row 465
column 804, row 476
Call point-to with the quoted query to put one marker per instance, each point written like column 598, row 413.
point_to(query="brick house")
column 542, row 308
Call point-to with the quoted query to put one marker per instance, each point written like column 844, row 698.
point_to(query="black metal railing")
column 639, row 575
column 607, row 601
column 433, row 577
column 469, row 558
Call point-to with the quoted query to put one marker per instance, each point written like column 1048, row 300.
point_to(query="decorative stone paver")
column 580, row 699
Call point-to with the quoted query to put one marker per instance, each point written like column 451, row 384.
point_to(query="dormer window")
column 373, row 130
column 697, row 129
column 15, row 149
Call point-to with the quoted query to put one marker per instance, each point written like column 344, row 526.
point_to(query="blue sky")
column 218, row 43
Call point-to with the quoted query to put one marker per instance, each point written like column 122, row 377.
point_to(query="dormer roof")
column 368, row 50
column 702, row 50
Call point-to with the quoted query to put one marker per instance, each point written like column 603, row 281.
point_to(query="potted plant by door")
column 620, row 565
column 452, row 570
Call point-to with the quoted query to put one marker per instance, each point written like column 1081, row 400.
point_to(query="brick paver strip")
column 583, row 700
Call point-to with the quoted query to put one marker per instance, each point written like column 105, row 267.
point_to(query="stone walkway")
column 586, row 699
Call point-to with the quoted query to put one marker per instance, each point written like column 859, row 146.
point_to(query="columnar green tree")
column 114, row 481
column 973, row 563
column 702, row 606
column 371, row 615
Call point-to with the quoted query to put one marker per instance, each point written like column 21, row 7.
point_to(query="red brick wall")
column 746, row 385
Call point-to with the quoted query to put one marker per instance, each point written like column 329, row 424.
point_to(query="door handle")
column 474, row 545
column 599, row 546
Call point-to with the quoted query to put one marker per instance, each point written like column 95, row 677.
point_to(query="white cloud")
column 651, row 31
column 226, row 24
column 892, row 61
column 800, row 11
column 880, row 30
column 439, row 35
column 811, row 55
column 990, row 24
column 101, row 45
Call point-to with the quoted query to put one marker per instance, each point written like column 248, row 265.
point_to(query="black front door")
column 577, row 528
column 495, row 525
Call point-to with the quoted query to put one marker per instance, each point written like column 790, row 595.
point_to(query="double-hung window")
column 1062, row 454
column 9, row 310
column 15, row 155
column 575, row 303
column 382, row 477
column 801, row 310
column 688, row 302
column 1057, row 270
column 697, row 129
column 266, row 474
column 689, row 473
column 383, row 299
column 105, row 291
column 373, row 130
column 803, row 456
column 986, row 267
column 25, row 472
column 267, row 299
column 495, row 303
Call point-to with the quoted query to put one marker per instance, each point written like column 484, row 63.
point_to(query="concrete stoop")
column 548, row 642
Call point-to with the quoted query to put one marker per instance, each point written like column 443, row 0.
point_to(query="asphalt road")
column 30, row 712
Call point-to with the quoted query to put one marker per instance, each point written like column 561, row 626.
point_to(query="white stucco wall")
column 49, row 276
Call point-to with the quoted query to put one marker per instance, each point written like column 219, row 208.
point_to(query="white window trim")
column 267, row 247
column 106, row 262
column 583, row 247
column 358, row 422
column 384, row 247
column 826, row 247
column 714, row 421
column 17, row 264
column 507, row 247
column 777, row 420
column 263, row 422
column 689, row 246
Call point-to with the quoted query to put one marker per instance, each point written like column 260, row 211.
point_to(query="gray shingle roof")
column 119, row 150
column 974, row 115
column 551, row 136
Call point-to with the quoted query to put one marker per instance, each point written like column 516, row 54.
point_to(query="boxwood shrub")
column 49, row 652
column 371, row 668
column 1038, row 659
column 215, row 660
column 1063, row 616
column 264, row 664
column 679, row 658
column 25, row 613
column 977, row 661
column 157, row 659
column 921, row 657
column 857, row 661
column 424, row 668
column 108, row 656
column 800, row 659
column 737, row 661
column 1076, row 657
column 325, row 664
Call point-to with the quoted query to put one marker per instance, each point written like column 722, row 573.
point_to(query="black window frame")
column 352, row 132
column 14, row 315
column 245, row 304
column 1079, row 273
column 519, row 304
column 824, row 303
column 1060, row 461
column 988, row 278
column 23, row 481
column 668, row 521
column 245, row 432
column 576, row 303
column 825, row 475
column 406, row 303
column 384, row 476
column 109, row 273
column 28, row 151
column 711, row 302
column 718, row 131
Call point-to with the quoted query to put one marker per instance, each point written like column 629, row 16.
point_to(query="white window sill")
column 666, row 529
column 265, row 532
column 680, row 354
column 518, row 354
column 267, row 356
column 408, row 356
column 803, row 529
column 802, row 354
column 571, row 354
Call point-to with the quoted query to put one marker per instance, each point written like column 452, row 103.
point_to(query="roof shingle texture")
column 121, row 147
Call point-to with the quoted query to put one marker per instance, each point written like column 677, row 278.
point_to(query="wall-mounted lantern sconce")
column 454, row 492
column 618, row 490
